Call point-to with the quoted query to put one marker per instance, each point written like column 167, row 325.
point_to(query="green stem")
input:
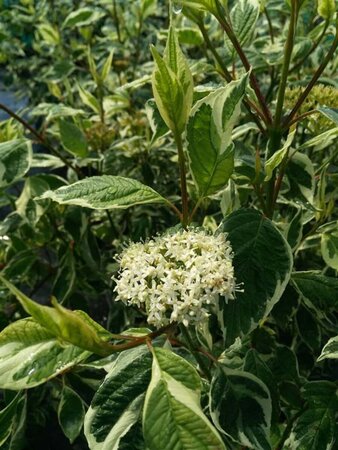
column 204, row 368
column 273, row 146
column 314, row 79
column 183, row 178
column 286, row 64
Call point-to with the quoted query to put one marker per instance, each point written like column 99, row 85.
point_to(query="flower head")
column 176, row 277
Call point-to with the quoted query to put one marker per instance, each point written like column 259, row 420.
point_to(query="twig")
column 228, row 77
column 302, row 116
column 253, row 80
column 184, row 191
column 269, row 25
column 40, row 138
column 312, row 49
column 286, row 64
column 313, row 81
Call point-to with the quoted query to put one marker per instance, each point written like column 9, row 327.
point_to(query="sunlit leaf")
column 172, row 416
column 30, row 355
column 240, row 405
column 105, row 192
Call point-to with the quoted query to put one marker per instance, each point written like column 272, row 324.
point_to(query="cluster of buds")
column 177, row 277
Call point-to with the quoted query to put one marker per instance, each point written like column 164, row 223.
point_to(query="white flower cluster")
column 176, row 276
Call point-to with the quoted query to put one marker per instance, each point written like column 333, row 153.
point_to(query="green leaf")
column 82, row 17
column 49, row 33
column 71, row 413
column 326, row 8
column 148, row 7
column 65, row 277
column 319, row 289
column 74, row 327
column 89, row 99
column 256, row 366
column 30, row 355
column 73, row 139
column 25, row 205
column 240, row 406
column 244, row 16
column 329, row 247
column 203, row 5
column 294, row 230
column 47, row 161
column 322, row 141
column 15, row 160
column 157, row 124
column 172, row 416
column 330, row 113
column 172, row 84
column 301, row 176
column 190, row 36
column 105, row 192
column 17, row 439
column 276, row 159
column 7, row 418
column 262, row 262
column 117, row 403
column 107, row 66
column 284, row 364
column 209, row 130
column 330, row 350
column 309, row 329
column 315, row 428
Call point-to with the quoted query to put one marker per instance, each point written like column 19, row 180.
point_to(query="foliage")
column 182, row 130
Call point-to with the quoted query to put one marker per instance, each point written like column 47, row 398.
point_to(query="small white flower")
column 176, row 277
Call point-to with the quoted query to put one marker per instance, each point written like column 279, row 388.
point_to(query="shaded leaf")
column 262, row 262
column 117, row 403
column 315, row 428
column 7, row 418
column 240, row 406
column 330, row 350
column 73, row 139
column 319, row 289
column 329, row 247
column 71, row 413
column 15, row 160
